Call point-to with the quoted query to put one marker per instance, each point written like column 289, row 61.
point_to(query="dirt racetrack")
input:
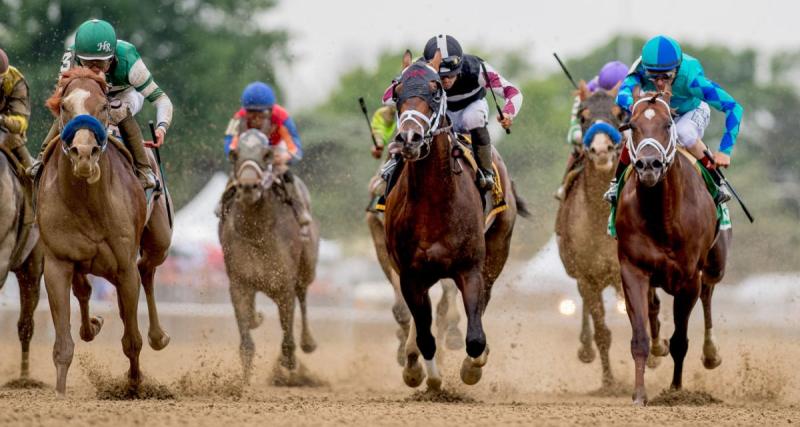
column 533, row 375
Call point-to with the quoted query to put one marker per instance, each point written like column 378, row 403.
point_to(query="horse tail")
column 522, row 205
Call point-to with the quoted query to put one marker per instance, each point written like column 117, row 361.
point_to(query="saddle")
column 494, row 201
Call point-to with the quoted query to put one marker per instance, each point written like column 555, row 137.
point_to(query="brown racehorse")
column 589, row 255
column 92, row 215
column 435, row 225
column 666, row 227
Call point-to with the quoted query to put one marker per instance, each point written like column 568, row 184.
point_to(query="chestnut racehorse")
column 667, row 231
column 434, row 225
column 92, row 215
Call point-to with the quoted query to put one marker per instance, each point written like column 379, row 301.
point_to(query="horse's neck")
column 250, row 221
column 661, row 203
column 595, row 181
column 76, row 192
column 433, row 174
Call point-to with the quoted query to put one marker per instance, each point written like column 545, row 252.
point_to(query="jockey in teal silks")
column 663, row 63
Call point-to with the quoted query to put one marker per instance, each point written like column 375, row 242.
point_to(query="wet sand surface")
column 533, row 375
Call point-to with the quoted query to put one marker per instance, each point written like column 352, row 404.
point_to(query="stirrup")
column 723, row 196
column 610, row 195
column 485, row 180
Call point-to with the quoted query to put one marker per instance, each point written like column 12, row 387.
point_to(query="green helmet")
column 95, row 39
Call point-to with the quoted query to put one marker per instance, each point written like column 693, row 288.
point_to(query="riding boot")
column 611, row 194
column 482, row 147
column 33, row 170
column 297, row 203
column 24, row 156
column 390, row 172
column 132, row 137
column 723, row 195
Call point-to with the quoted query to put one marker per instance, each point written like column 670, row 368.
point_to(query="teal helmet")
column 661, row 53
column 95, row 39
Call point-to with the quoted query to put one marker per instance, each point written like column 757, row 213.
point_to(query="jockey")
column 662, row 63
column 607, row 79
column 464, row 78
column 15, row 110
column 97, row 48
column 384, row 126
column 259, row 111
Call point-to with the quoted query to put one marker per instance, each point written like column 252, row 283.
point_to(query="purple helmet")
column 611, row 74
column 592, row 85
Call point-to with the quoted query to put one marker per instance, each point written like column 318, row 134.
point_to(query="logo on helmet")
column 104, row 46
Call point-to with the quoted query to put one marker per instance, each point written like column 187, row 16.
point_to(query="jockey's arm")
column 715, row 96
column 141, row 79
column 15, row 117
column 503, row 88
column 626, row 90
column 383, row 124
column 294, row 152
column 231, row 134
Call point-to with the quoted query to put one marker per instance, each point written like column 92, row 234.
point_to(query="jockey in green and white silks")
column 97, row 47
column 663, row 62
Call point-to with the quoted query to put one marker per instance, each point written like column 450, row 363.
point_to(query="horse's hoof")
column 470, row 373
column 308, row 345
column 258, row 318
column 454, row 339
column 95, row 324
column 640, row 402
column 158, row 341
column 413, row 374
column 660, row 348
column 434, row 384
column 586, row 354
column 711, row 362
column 653, row 361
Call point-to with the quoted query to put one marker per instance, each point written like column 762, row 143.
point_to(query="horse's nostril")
column 593, row 150
column 657, row 164
column 639, row 164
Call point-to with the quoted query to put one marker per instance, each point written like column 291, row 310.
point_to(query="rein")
column 666, row 155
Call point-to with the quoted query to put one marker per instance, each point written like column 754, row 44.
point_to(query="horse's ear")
column 583, row 91
column 436, row 62
column 398, row 89
column 406, row 59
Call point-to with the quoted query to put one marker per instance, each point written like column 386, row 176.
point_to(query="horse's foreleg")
column 243, row 299
column 679, row 343
column 602, row 335
column 286, row 315
column 402, row 316
column 711, row 358
column 90, row 326
column 307, row 342
column 474, row 295
column 658, row 347
column 128, row 298
column 156, row 337
column 636, row 285
column 447, row 317
column 58, row 279
column 28, row 278
column 586, row 353
column 419, row 303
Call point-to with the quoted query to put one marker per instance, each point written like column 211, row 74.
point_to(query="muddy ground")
column 533, row 375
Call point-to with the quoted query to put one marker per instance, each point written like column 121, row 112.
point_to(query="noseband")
column 666, row 155
column 265, row 176
column 82, row 121
column 415, row 81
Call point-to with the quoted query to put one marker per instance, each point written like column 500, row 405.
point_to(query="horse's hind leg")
column 403, row 318
column 419, row 303
column 128, row 298
column 447, row 317
column 679, row 343
column 475, row 297
column 58, row 279
column 658, row 347
column 29, row 278
column 307, row 343
column 243, row 299
column 286, row 314
column 156, row 337
column 586, row 353
column 90, row 326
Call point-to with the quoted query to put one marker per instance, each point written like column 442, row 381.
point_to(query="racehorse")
column 668, row 238
column 93, row 219
column 20, row 253
column 434, row 224
column 589, row 255
column 447, row 316
column 264, row 250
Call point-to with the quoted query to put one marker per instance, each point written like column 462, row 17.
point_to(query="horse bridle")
column 65, row 145
column 266, row 177
column 666, row 155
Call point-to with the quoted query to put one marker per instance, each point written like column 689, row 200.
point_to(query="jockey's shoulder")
column 279, row 114
column 10, row 80
column 126, row 54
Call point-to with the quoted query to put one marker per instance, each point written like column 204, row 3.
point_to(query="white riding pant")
column 692, row 125
column 473, row 116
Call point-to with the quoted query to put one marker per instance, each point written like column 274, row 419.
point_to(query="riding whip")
column 488, row 82
column 564, row 67
column 728, row 184
column 366, row 116
column 163, row 176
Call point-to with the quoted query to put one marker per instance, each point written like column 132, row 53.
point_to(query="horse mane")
column 54, row 102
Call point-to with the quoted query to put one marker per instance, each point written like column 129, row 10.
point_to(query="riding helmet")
column 451, row 54
column 661, row 53
column 611, row 74
column 95, row 40
column 258, row 96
